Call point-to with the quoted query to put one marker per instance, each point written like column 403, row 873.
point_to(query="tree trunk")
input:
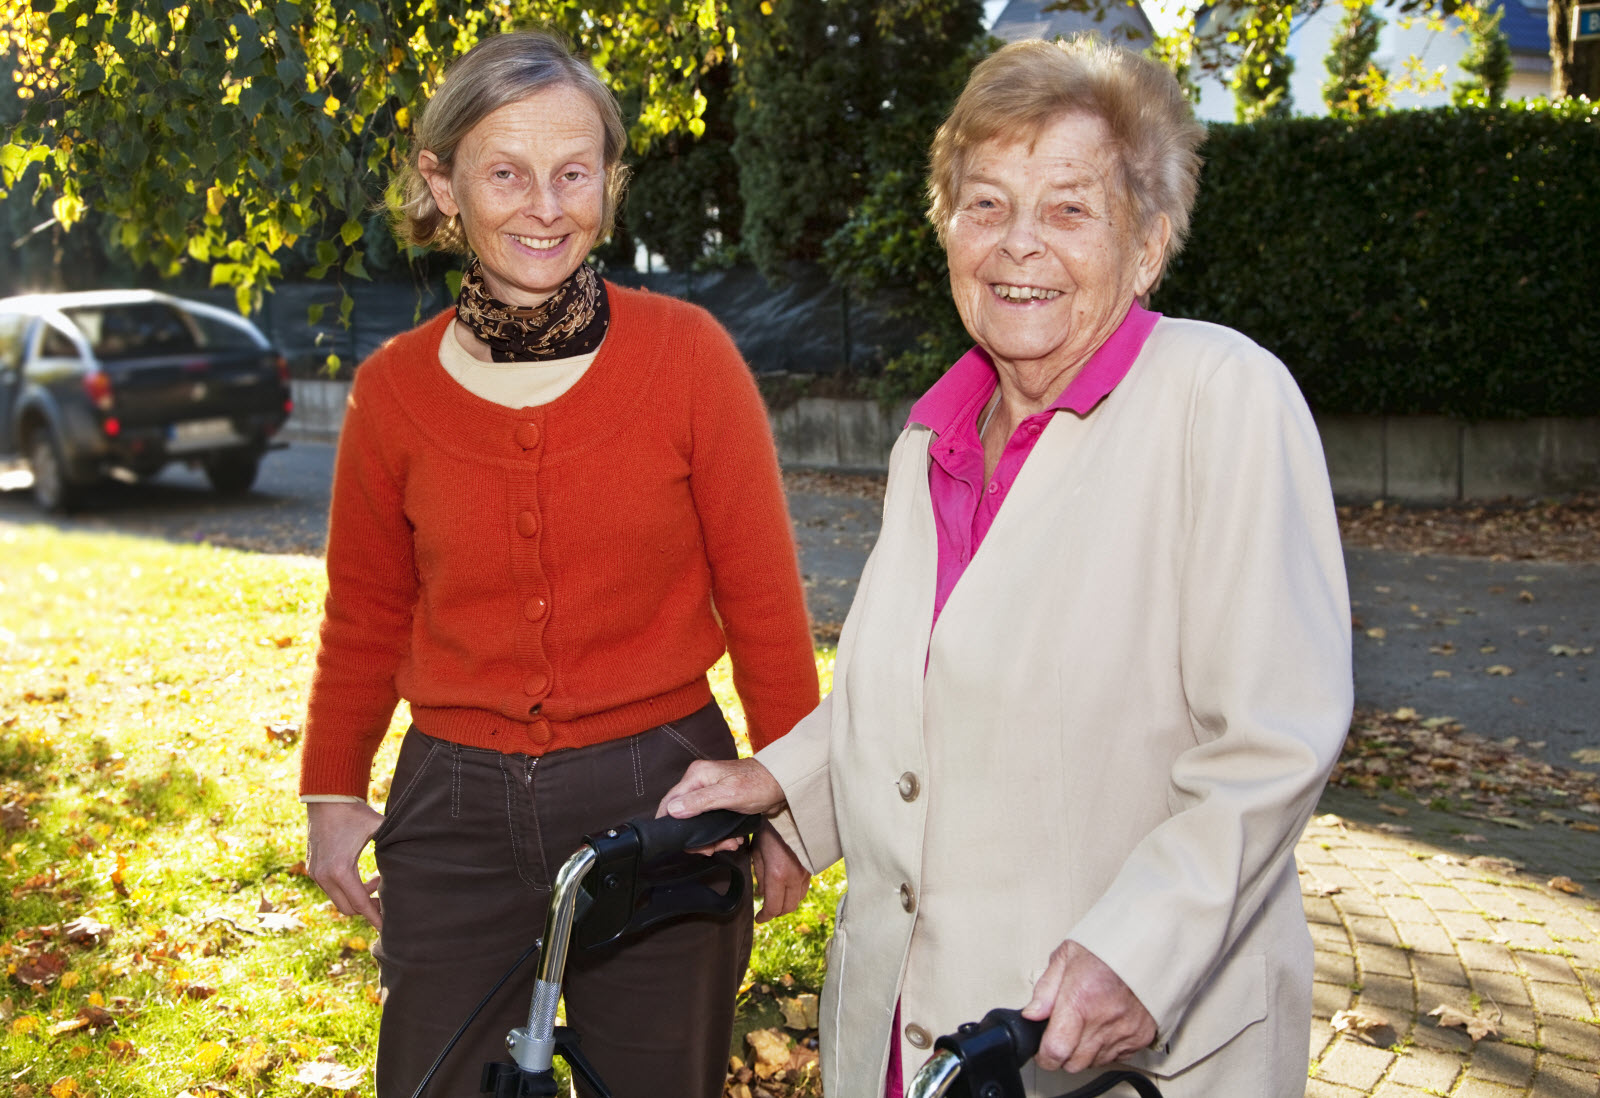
column 1574, row 66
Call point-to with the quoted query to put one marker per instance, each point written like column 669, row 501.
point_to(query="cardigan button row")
column 535, row 608
column 527, row 524
column 527, row 436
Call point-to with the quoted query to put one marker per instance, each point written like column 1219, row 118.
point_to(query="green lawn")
column 158, row 935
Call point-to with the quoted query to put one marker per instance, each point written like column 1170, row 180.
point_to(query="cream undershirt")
column 509, row 384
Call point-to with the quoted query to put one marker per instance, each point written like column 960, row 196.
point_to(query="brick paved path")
column 1402, row 926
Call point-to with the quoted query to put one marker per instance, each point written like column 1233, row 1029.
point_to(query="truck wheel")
column 52, row 491
column 233, row 474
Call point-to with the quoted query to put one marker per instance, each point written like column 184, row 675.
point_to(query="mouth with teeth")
column 538, row 243
column 1007, row 292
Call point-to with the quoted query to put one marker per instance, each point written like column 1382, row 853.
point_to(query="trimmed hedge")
column 1441, row 261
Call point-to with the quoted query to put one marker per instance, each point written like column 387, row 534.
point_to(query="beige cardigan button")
column 908, row 898
column 909, row 786
column 917, row 1037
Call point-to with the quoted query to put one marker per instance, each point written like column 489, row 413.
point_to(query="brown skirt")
column 470, row 844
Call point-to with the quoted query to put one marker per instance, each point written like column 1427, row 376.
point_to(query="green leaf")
column 314, row 314
column 452, row 283
column 353, row 267
column 327, row 253
column 90, row 78
column 350, row 231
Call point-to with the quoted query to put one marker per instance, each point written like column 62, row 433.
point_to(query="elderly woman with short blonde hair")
column 556, row 504
column 1098, row 665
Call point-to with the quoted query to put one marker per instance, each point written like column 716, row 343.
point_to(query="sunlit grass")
column 150, row 698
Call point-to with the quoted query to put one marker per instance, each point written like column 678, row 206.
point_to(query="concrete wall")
column 1413, row 458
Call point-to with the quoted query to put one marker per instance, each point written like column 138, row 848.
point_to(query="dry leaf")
column 1322, row 889
column 1371, row 1028
column 1589, row 756
column 1566, row 884
column 799, row 1012
column 281, row 922
column 1377, row 632
column 40, row 970
column 86, row 930
column 1525, row 596
column 283, row 732
column 1394, row 809
column 770, row 1049
column 1477, row 1026
column 1499, row 669
column 333, row 1076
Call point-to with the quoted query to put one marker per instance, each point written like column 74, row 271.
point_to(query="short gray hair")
column 498, row 71
column 1021, row 88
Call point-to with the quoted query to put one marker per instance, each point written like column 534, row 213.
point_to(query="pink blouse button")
column 994, row 486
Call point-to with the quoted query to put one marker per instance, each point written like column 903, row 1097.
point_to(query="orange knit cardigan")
column 543, row 578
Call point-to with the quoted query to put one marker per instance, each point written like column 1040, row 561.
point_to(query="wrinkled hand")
column 781, row 880
column 336, row 834
column 743, row 785
column 1095, row 1018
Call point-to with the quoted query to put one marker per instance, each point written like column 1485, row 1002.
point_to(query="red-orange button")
column 539, row 731
column 534, row 608
column 537, row 683
column 527, row 524
column 527, row 435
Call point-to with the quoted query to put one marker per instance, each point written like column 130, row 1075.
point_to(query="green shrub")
column 1442, row 261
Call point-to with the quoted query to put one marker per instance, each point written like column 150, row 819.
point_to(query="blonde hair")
column 1021, row 88
column 497, row 71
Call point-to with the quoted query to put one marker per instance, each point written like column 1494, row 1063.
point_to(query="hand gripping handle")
column 670, row 835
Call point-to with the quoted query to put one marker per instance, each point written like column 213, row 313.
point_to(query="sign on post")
column 1585, row 22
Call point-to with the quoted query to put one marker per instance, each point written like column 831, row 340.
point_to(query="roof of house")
column 1121, row 21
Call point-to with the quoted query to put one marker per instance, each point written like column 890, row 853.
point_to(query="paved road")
column 1507, row 648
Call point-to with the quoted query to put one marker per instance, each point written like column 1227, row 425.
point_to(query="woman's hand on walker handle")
column 1095, row 1018
column 743, row 785
column 336, row 834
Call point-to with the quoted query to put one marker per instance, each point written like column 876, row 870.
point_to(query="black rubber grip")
column 1025, row 1032
column 669, row 835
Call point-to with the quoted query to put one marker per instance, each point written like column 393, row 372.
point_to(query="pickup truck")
column 122, row 382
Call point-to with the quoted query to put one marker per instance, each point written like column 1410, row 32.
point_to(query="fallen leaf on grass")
column 86, row 930
column 1589, row 756
column 1371, row 1028
column 1499, row 669
column 284, row 732
column 1566, row 884
column 799, row 1012
column 333, row 1076
column 40, row 970
column 1582, row 825
column 1477, row 1026
column 281, row 922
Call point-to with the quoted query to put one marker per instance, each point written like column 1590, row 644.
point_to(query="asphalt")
column 1420, row 915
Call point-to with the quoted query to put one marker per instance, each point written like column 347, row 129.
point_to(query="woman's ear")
column 438, row 179
column 1152, row 251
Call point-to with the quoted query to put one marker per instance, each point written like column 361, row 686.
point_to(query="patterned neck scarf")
column 572, row 321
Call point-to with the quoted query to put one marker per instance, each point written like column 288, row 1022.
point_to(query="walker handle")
column 670, row 835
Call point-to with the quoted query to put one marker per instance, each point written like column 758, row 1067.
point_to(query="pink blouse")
column 964, row 507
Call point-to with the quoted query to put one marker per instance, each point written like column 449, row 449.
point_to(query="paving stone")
column 1570, row 1037
column 1358, row 902
column 1330, row 936
column 1438, row 968
column 1500, row 902
column 1516, row 1023
column 1387, row 993
column 1486, row 957
column 1429, row 1034
column 1505, row 988
column 1526, row 936
column 1566, row 1000
column 1377, row 931
column 1352, row 1064
column 1570, row 1062
column 1335, row 968
column 1383, row 960
column 1502, row 1063
column 1482, row 1088
column 1419, row 872
column 1321, row 1088
column 1328, row 999
column 1321, row 911
column 1426, row 938
column 1426, row 1068
column 1548, row 967
column 1446, row 898
column 1405, row 909
column 1560, row 1082
column 1386, row 883
column 1389, row 1089
column 1322, row 1036
column 1464, row 924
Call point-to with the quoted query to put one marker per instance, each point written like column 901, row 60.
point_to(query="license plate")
column 199, row 434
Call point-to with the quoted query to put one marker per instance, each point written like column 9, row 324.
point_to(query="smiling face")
column 528, row 183
column 1044, row 256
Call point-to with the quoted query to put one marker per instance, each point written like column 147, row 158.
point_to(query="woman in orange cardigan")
column 554, row 507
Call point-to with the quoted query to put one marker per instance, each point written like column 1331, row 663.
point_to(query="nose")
column 1021, row 239
column 541, row 202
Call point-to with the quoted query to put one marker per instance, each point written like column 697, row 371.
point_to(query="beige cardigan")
column 1132, row 700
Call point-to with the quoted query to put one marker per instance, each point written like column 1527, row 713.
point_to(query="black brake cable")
column 451, row 1043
